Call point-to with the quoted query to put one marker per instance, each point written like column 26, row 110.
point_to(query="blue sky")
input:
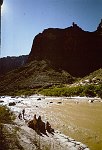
column 22, row 20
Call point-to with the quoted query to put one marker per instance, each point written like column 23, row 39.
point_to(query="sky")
column 22, row 20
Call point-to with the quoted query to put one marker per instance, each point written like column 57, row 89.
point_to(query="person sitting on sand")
column 41, row 125
column 48, row 127
column 35, row 122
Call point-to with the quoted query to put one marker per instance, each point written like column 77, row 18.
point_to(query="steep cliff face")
column 72, row 49
column 10, row 63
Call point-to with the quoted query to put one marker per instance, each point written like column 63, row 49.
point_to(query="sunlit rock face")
column 77, row 51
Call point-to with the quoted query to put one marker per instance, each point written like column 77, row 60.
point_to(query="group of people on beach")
column 37, row 124
column 41, row 126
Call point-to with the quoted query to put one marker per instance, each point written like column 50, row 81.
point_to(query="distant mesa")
column 10, row 63
column 72, row 49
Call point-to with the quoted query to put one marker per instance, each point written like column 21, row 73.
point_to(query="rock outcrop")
column 99, row 28
column 72, row 49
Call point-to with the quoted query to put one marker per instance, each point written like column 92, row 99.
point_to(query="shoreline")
column 30, row 104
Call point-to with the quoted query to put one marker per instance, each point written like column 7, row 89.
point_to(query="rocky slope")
column 93, row 78
column 72, row 49
column 10, row 63
column 33, row 75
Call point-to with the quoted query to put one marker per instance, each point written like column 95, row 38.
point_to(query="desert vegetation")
column 6, row 117
column 61, row 90
column 86, row 90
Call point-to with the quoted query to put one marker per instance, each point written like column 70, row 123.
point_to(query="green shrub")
column 86, row 90
column 89, row 91
column 6, row 116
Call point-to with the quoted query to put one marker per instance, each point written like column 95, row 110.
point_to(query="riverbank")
column 74, row 117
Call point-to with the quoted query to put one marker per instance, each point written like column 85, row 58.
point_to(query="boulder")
column 12, row 104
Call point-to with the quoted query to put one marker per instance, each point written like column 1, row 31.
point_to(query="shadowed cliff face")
column 10, row 63
column 71, row 49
